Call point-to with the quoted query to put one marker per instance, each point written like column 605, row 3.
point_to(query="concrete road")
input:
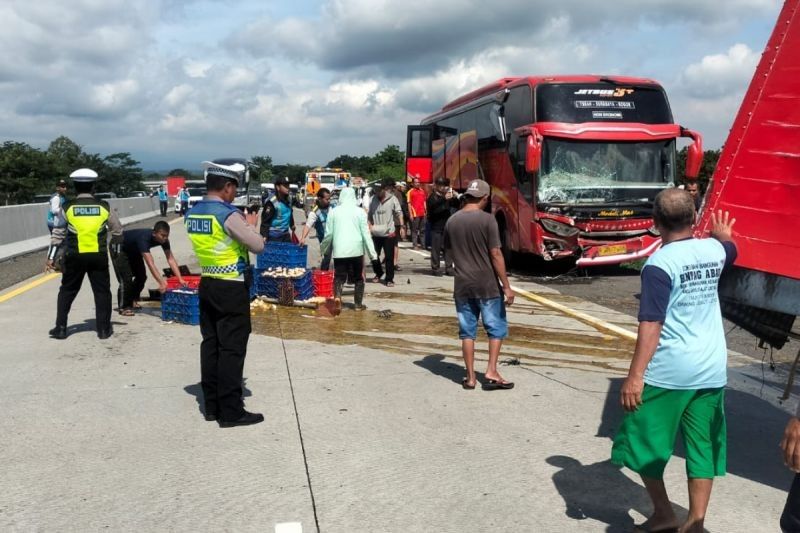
column 618, row 287
column 367, row 428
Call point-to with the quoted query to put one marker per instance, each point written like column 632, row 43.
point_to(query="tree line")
column 26, row 171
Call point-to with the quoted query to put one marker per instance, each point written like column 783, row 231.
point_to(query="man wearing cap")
column 88, row 222
column 222, row 237
column 473, row 240
column 277, row 217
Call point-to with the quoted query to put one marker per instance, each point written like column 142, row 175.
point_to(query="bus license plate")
column 615, row 249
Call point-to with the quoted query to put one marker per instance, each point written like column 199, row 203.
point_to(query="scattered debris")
column 385, row 314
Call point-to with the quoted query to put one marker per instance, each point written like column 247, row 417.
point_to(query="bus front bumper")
column 614, row 253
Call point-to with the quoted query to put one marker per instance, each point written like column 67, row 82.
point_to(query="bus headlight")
column 559, row 228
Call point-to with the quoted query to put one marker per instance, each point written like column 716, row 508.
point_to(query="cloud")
column 173, row 82
column 721, row 74
column 406, row 38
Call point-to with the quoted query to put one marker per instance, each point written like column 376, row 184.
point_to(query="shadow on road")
column 436, row 364
column 601, row 492
column 755, row 428
column 90, row 324
column 196, row 390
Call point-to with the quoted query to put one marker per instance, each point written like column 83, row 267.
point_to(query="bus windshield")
column 327, row 179
column 600, row 172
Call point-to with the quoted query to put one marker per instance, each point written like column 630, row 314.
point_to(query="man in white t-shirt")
column 678, row 373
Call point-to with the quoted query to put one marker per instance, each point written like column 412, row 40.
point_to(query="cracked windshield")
column 580, row 172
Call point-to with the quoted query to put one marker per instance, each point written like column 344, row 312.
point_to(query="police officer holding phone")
column 222, row 237
column 88, row 223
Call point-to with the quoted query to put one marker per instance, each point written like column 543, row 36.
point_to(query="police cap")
column 84, row 175
column 233, row 172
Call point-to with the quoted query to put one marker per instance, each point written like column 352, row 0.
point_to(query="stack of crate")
column 279, row 265
column 181, row 305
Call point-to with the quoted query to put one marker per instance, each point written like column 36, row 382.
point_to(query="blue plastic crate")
column 181, row 305
column 191, row 318
column 282, row 255
column 270, row 287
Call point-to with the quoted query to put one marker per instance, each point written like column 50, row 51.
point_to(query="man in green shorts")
column 678, row 373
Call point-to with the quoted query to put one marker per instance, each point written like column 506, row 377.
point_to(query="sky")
column 176, row 82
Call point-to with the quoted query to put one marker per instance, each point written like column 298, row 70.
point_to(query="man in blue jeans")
column 481, row 287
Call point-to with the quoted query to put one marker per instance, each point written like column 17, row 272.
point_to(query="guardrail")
column 24, row 227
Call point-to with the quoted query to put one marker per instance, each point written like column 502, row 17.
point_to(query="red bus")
column 574, row 162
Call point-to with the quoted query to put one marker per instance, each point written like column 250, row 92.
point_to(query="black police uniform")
column 78, row 262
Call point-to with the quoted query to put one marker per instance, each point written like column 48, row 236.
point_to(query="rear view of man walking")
column 473, row 241
column 678, row 373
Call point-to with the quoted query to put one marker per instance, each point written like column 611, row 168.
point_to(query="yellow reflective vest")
column 87, row 225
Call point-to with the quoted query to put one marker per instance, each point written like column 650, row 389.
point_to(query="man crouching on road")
column 473, row 241
column 678, row 372
column 129, row 264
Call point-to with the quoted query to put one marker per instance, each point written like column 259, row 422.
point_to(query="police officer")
column 277, row 217
column 88, row 222
column 221, row 236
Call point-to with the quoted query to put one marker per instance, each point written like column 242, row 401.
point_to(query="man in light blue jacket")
column 346, row 230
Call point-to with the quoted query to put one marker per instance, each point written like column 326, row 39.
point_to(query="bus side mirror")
column 533, row 155
column 694, row 153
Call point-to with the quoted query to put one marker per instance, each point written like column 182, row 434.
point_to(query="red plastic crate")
column 192, row 282
column 323, row 283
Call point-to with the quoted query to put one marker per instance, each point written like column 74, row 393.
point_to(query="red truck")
column 757, row 179
column 174, row 184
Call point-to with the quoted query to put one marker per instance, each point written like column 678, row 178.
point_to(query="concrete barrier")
column 24, row 227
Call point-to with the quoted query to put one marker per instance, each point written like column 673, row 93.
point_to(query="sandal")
column 127, row 312
column 494, row 384
column 465, row 384
column 376, row 279
column 390, row 283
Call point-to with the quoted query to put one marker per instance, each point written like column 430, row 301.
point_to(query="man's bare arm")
column 151, row 265
column 646, row 344
column 499, row 265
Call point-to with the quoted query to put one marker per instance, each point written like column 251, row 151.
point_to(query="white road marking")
column 289, row 527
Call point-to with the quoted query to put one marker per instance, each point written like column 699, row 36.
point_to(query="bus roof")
column 507, row 83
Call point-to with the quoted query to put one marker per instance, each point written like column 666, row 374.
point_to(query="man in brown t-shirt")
column 473, row 240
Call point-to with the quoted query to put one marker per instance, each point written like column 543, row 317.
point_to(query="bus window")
column 517, row 151
column 601, row 102
column 519, row 108
column 419, row 142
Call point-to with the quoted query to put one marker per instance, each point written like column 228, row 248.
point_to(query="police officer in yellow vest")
column 222, row 236
column 86, row 253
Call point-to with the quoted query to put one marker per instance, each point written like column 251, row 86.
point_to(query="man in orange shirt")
column 417, row 210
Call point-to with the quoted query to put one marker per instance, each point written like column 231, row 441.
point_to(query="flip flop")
column 493, row 384
column 127, row 312
column 642, row 528
column 465, row 385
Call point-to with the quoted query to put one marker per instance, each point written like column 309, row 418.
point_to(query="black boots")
column 359, row 295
